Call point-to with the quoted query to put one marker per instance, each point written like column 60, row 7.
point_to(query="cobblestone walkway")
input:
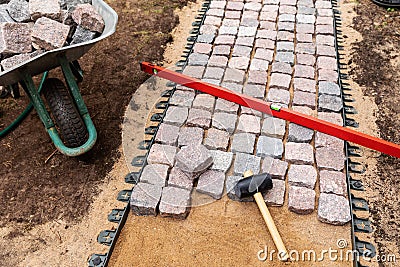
column 282, row 51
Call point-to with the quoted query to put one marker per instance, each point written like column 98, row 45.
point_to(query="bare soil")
column 60, row 192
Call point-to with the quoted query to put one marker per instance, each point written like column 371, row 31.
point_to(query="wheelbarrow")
column 72, row 131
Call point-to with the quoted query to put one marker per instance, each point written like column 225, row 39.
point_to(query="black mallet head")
column 255, row 183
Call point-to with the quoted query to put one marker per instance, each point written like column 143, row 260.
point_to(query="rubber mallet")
column 254, row 185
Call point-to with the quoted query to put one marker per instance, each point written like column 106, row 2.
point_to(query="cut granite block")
column 285, row 46
column 246, row 41
column 252, row 6
column 281, row 67
column 305, row 85
column 190, row 136
column 144, row 199
column 305, row 28
column 175, row 203
column 204, row 101
column 304, row 99
column 257, row 77
column 279, row 80
column 222, row 50
column 167, row 134
column 224, row 40
column 264, row 54
column 211, row 183
column 19, row 10
column 333, row 209
column 241, row 51
column 265, row 44
column 249, row 111
column 176, row 115
column 302, row 175
column 249, row 124
column 254, row 90
column 286, row 26
column 234, row 75
column 302, row 71
column 218, row 4
column 271, row 7
column 269, row 15
column 241, row 63
column 325, row 50
column 194, row 159
column 330, row 103
column 178, row 178
column 233, row 15
column 219, row 62
column 155, row 174
column 49, row 34
column 301, row 200
column 332, row 117
column 226, row 106
column 285, row 36
column 276, row 195
column 324, row 29
column 234, row 5
column 275, row 167
column 245, row 162
column 51, row 9
column 182, row 98
column 259, row 64
column 87, row 17
column 299, row 153
column 249, row 22
column 15, row 38
column 212, row 81
column 247, row 31
column 162, row 154
column 267, row 34
column 286, row 17
column 224, row 121
column 243, row 142
column 82, row 35
column 305, row 19
column 205, row 38
column 217, row 139
column 305, row 48
column 230, row 184
column 199, row 118
column 4, row 13
column 273, row 127
column 328, row 88
column 236, row 87
column 215, row 12
column 214, row 73
column 305, row 59
column 287, row 57
column 299, row 134
column 269, row 146
column 212, row 20
column 325, row 140
column 196, row 59
column 222, row 160
column 333, row 182
column 305, row 10
column 228, row 30
column 202, row 48
column 328, row 75
column 328, row 63
column 194, row 71
column 325, row 39
column 304, row 38
column 330, row 158
column 278, row 96
column 323, row 4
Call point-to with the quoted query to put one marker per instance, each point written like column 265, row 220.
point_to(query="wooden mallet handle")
column 282, row 251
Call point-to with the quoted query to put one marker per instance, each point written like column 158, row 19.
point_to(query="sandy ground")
column 223, row 232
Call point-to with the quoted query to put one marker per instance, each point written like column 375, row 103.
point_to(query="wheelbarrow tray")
column 50, row 59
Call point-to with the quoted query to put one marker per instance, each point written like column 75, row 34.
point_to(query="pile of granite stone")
column 28, row 28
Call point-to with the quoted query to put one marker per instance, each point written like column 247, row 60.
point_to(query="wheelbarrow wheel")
column 66, row 116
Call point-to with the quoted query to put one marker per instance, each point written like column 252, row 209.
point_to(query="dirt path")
column 51, row 214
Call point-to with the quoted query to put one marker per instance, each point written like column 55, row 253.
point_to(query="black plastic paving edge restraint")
column 358, row 225
column 119, row 216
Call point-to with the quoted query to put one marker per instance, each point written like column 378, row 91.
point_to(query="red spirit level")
column 275, row 110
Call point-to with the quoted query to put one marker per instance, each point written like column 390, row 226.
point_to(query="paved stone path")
column 282, row 51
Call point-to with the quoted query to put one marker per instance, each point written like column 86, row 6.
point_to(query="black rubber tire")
column 67, row 118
